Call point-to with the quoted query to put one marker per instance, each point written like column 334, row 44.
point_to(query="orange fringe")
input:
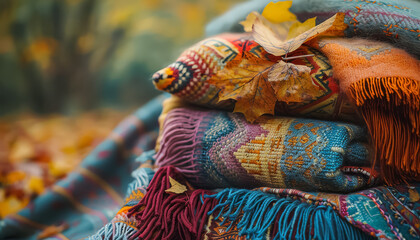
column 391, row 109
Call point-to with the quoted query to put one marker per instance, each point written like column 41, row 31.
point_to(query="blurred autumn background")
column 70, row 70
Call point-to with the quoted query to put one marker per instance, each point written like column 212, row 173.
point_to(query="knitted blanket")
column 391, row 21
column 264, row 213
column 384, row 82
column 192, row 77
column 215, row 149
column 379, row 79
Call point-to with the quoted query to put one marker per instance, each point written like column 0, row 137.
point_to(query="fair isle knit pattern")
column 218, row 149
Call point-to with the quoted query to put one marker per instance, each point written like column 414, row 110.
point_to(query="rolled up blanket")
column 215, row 149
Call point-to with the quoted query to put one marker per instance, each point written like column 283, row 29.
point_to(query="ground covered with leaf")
column 35, row 152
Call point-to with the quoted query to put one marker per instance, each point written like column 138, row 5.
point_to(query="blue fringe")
column 142, row 178
column 114, row 231
column 296, row 220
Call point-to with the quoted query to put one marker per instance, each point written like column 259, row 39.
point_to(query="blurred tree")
column 70, row 55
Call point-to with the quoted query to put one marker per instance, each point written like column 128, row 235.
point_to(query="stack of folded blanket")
column 337, row 160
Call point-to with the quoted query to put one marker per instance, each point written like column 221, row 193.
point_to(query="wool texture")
column 216, row 149
column 384, row 83
column 272, row 213
column 395, row 22
column 190, row 77
column 263, row 213
column 354, row 77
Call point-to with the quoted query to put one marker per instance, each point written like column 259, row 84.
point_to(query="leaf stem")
column 294, row 57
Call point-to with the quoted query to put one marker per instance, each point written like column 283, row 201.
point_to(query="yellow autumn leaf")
column 176, row 187
column 249, row 21
column 246, row 81
column 281, row 29
column 278, row 12
column 292, row 83
column 35, row 185
column 298, row 28
column 270, row 41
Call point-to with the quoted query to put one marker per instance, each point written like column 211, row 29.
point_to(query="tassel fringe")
column 255, row 212
column 179, row 134
column 391, row 110
column 162, row 215
column 115, row 231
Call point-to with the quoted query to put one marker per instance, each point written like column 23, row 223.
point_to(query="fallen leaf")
column 279, row 12
column 246, row 81
column 176, row 187
column 280, row 29
column 414, row 195
column 36, row 185
column 21, row 151
column 272, row 43
column 292, row 83
column 298, row 28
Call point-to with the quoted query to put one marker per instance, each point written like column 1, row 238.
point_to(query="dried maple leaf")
column 281, row 30
column 246, row 81
column 292, row 83
column 272, row 43
column 176, row 187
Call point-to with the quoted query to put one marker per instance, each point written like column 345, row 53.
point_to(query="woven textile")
column 384, row 82
column 89, row 197
column 218, row 149
column 271, row 213
column 396, row 22
column 378, row 78
column 383, row 212
column 190, row 77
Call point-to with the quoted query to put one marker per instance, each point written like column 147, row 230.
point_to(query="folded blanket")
column 192, row 77
column 264, row 213
column 383, row 212
column 381, row 81
column 395, row 22
column 384, row 83
column 215, row 149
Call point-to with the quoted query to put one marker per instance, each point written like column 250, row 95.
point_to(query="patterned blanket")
column 358, row 75
column 263, row 213
column 217, row 149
